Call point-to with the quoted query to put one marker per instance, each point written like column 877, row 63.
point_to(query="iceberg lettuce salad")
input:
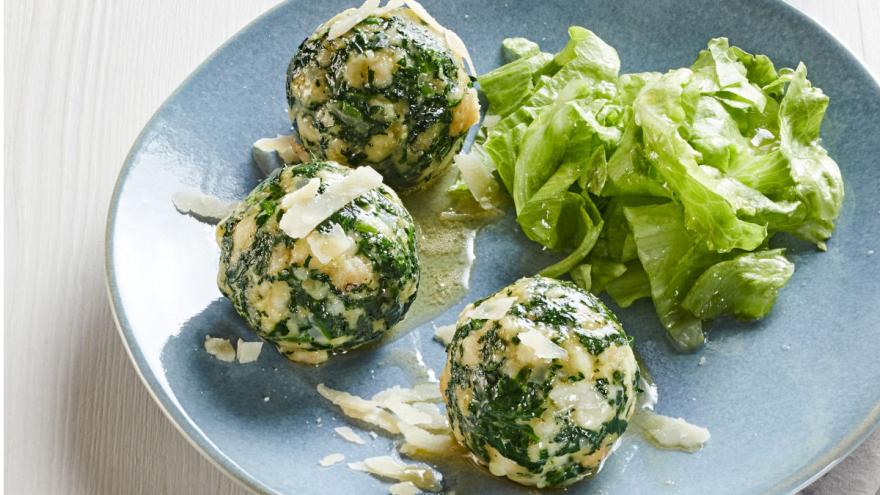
column 666, row 186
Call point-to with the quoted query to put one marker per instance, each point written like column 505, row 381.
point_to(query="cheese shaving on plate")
column 671, row 433
column 362, row 409
column 288, row 149
column 388, row 467
column 490, row 121
column 404, row 488
column 407, row 413
column 438, row 419
column 331, row 459
column 308, row 357
column 202, row 206
column 248, row 352
column 477, row 177
column 420, row 441
column 349, row 434
column 423, row 392
column 220, row 349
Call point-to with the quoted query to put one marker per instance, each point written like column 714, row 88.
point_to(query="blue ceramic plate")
column 785, row 398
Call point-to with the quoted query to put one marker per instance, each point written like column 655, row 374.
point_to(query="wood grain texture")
column 82, row 78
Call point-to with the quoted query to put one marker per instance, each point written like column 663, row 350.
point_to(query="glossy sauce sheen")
column 445, row 234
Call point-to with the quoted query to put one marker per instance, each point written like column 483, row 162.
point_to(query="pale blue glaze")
column 784, row 398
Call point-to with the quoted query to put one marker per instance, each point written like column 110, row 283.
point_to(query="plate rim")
column 184, row 425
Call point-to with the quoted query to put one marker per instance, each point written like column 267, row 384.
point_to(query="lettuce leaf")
column 759, row 68
column 567, row 135
column 502, row 148
column 663, row 185
column 745, row 286
column 516, row 48
column 672, row 262
column 589, row 223
column 631, row 286
column 629, row 171
column 721, row 72
column 817, row 180
column 507, row 86
column 545, row 144
column 568, row 65
column 659, row 110
column 616, row 242
column 603, row 271
column 581, row 276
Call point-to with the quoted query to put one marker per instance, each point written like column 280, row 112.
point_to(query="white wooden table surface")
column 82, row 78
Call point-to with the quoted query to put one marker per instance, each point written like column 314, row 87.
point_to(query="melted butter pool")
column 446, row 228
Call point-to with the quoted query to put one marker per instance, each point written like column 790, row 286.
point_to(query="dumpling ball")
column 319, row 259
column 388, row 93
column 540, row 382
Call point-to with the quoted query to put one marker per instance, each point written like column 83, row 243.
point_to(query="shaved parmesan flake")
column 588, row 408
column 308, row 357
column 457, row 46
column 477, row 177
column 388, row 467
column 391, row 5
column 422, row 13
column 407, row 413
column 331, row 460
column 329, row 245
column 438, row 419
column 349, row 434
column 543, row 347
column 671, row 433
column 362, row 409
column 401, row 410
column 302, row 196
column 453, row 42
column 409, row 407
column 491, row 120
column 298, row 221
column 248, row 352
column 493, row 309
column 649, row 396
column 404, row 488
column 444, row 334
column 423, row 392
column 420, row 441
column 346, row 22
column 220, row 349
column 202, row 206
column 419, row 10
column 272, row 153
